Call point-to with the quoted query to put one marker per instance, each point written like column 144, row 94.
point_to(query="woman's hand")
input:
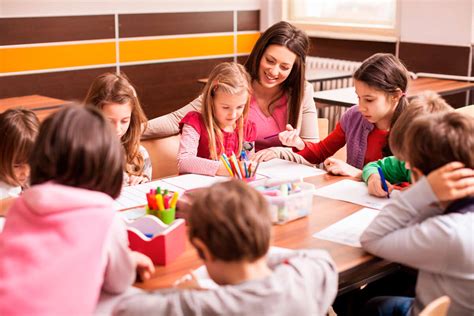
column 341, row 168
column 291, row 137
column 145, row 267
column 375, row 186
column 452, row 181
column 264, row 155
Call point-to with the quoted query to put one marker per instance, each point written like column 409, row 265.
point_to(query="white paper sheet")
column 348, row 230
column 133, row 196
column 278, row 168
column 193, row 181
column 352, row 191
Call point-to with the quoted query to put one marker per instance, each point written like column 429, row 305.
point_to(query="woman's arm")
column 309, row 131
column 168, row 125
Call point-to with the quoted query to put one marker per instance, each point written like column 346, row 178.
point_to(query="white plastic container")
column 295, row 205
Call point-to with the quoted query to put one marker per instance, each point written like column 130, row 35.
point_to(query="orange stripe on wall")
column 61, row 56
column 168, row 48
column 245, row 42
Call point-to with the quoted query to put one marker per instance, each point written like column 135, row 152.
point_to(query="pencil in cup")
column 161, row 205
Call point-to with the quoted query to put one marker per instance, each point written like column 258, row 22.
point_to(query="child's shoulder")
column 192, row 115
column 8, row 191
column 194, row 119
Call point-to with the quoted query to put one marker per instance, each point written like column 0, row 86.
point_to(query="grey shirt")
column 413, row 230
column 302, row 283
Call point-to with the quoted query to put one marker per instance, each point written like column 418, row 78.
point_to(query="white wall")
column 444, row 22
column 472, row 19
column 23, row 8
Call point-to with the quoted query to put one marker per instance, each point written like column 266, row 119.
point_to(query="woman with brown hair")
column 280, row 94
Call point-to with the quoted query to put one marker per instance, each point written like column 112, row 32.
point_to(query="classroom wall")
column 435, row 36
column 54, row 49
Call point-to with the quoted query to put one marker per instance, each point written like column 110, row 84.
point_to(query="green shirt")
column 393, row 169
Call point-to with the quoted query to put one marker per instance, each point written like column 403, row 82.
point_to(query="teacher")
column 280, row 94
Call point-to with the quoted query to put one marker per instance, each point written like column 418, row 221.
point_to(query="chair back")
column 439, row 307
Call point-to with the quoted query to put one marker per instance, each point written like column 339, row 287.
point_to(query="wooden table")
column 347, row 97
column 41, row 105
column 355, row 266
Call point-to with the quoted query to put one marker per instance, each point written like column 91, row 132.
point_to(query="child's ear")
column 416, row 173
column 202, row 249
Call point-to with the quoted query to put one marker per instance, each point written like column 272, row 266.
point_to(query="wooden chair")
column 439, row 307
column 163, row 154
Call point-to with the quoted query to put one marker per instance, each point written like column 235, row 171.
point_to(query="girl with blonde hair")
column 221, row 127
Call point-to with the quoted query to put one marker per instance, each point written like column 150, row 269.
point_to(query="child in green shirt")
column 393, row 167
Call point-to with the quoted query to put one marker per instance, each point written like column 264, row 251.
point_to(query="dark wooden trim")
column 443, row 59
column 155, row 24
column 66, row 85
column 56, row 29
column 165, row 87
column 348, row 49
column 248, row 20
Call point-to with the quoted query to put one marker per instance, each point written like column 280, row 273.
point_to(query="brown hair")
column 229, row 78
column 386, row 73
column 116, row 88
column 18, row 130
column 77, row 147
column 425, row 103
column 287, row 35
column 434, row 140
column 232, row 220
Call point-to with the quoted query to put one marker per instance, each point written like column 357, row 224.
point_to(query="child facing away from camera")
column 118, row 100
column 381, row 84
column 230, row 227
column 429, row 227
column 393, row 167
column 221, row 127
column 62, row 241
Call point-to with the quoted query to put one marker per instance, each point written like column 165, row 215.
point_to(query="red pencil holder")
column 162, row 243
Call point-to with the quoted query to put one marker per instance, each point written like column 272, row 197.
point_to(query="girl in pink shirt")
column 221, row 127
column 63, row 243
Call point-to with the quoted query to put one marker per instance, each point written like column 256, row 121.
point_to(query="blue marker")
column 382, row 179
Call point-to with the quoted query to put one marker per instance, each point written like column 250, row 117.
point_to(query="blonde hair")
column 19, row 128
column 231, row 78
column 116, row 88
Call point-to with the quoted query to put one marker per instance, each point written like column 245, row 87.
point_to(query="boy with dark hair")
column 428, row 227
column 230, row 227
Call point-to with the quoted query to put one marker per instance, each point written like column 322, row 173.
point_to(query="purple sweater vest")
column 356, row 129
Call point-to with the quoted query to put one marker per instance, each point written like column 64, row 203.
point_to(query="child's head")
column 117, row 98
column 229, row 222
column 226, row 98
column 381, row 84
column 18, row 130
column 285, row 45
column 434, row 140
column 425, row 103
column 77, row 147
